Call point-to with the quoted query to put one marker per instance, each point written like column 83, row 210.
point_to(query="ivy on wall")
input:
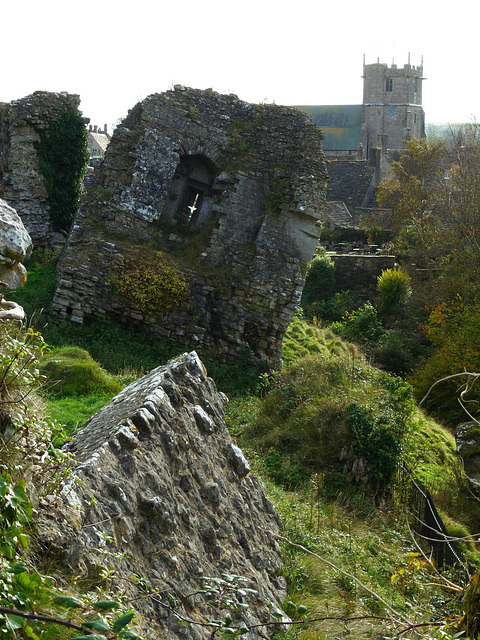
column 63, row 157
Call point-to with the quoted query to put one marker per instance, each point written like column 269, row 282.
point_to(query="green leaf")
column 302, row 609
column 4, row 486
column 98, row 625
column 91, row 636
column 15, row 622
column 24, row 539
column 29, row 581
column 130, row 635
column 30, row 633
column 227, row 633
column 19, row 567
column 122, row 621
column 69, row 602
column 277, row 614
column 106, row 604
column 8, row 551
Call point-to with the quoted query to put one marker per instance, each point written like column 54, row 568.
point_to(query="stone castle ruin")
column 22, row 184
column 228, row 194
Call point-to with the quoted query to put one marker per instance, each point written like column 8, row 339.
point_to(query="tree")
column 412, row 192
column 433, row 194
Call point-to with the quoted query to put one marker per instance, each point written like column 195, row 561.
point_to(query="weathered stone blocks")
column 175, row 500
column 232, row 190
column 15, row 247
column 21, row 182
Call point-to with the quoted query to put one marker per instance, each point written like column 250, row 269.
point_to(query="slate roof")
column 98, row 140
column 336, row 214
column 341, row 125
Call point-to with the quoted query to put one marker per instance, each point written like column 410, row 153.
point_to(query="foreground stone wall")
column 21, row 182
column 158, row 475
column 232, row 190
column 15, row 247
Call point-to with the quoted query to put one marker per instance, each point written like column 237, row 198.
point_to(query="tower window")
column 389, row 84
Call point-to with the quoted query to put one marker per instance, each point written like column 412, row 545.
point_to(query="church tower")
column 392, row 106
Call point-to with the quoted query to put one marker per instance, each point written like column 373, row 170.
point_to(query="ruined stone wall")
column 255, row 176
column 157, row 474
column 21, row 182
column 362, row 271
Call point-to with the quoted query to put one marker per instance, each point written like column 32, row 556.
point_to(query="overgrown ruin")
column 230, row 191
column 22, row 183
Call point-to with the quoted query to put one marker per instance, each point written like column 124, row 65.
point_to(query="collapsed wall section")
column 231, row 191
column 161, row 496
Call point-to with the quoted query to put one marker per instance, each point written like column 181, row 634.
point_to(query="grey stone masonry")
column 233, row 191
column 21, row 182
column 160, row 491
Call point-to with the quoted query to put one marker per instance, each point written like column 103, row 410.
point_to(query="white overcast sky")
column 114, row 53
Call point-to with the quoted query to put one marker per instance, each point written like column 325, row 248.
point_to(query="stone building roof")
column 350, row 181
column 336, row 214
column 340, row 124
column 97, row 143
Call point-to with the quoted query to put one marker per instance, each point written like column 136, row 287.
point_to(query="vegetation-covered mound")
column 327, row 411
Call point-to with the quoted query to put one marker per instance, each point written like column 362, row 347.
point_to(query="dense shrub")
column 361, row 325
column 394, row 289
column 149, row 281
column 334, row 309
column 377, row 440
column 313, row 414
column 19, row 377
column 320, row 281
column 455, row 333
column 393, row 353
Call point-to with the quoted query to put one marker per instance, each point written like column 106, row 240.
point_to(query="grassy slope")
column 349, row 530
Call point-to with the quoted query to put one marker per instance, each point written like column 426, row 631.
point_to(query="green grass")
column 75, row 386
column 338, row 521
column 75, row 411
column 89, row 363
column 71, row 371
column 358, row 538
column 303, row 339
column 37, row 294
column 301, row 411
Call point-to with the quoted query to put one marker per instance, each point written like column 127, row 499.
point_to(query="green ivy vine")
column 63, row 157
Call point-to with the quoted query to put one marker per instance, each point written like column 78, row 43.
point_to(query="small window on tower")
column 389, row 85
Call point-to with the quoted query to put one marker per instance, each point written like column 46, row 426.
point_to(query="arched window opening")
column 389, row 84
column 190, row 194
